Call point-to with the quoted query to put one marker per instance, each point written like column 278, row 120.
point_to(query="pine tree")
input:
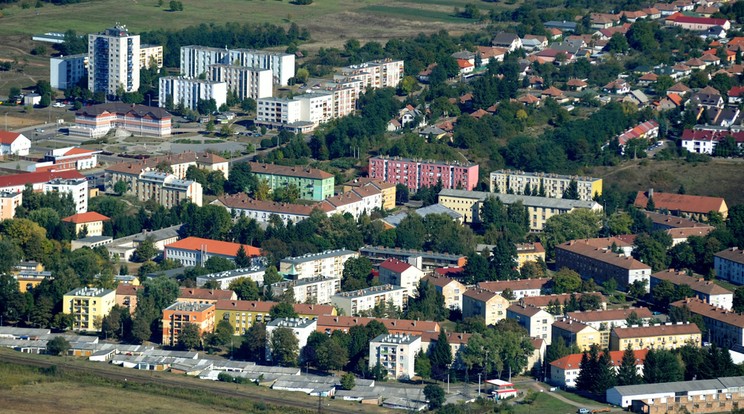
column 650, row 205
column 587, row 371
column 627, row 373
column 605, row 375
column 541, row 191
column 241, row 258
column 440, row 355
column 572, row 191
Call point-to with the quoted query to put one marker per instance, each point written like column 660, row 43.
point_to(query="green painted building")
column 314, row 184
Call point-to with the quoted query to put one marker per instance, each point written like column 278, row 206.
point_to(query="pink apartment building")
column 418, row 173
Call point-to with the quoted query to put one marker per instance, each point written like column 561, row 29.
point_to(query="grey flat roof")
column 680, row 386
column 558, row 203
column 316, row 256
column 93, row 239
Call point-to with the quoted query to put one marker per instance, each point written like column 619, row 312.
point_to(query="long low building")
column 565, row 371
column 96, row 121
column 365, row 300
column 240, row 205
column 729, row 265
column 195, row 251
column 601, row 264
column 695, row 396
column 705, row 290
column 424, row 260
column 657, row 336
column 539, row 209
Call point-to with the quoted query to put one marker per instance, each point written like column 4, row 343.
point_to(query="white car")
column 58, row 105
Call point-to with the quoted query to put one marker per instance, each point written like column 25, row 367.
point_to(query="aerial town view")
column 372, row 206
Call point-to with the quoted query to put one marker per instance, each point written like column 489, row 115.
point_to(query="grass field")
column 719, row 177
column 545, row 404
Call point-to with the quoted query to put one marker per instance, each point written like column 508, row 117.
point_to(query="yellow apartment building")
column 91, row 222
column 575, row 332
column 553, row 185
column 451, row 289
column 9, row 202
column 658, row 336
column 88, row 306
column 529, row 252
column 387, row 190
column 482, row 303
column 242, row 314
column 539, row 209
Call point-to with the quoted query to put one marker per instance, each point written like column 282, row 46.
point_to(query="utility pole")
column 320, row 403
column 479, row 383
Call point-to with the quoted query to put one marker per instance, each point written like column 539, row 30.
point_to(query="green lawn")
column 415, row 14
column 577, row 398
column 545, row 404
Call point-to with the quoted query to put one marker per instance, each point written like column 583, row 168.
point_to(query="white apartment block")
column 385, row 73
column 328, row 263
column 243, row 81
column 301, row 327
column 151, row 54
column 195, row 60
column 67, row 71
column 114, row 61
column 536, row 321
column 76, row 187
column 358, row 201
column 166, row 190
column 397, row 273
column 515, row 182
column 355, row 302
column 315, row 290
column 303, row 113
column 188, row 92
column 729, row 265
column 223, row 279
column 396, row 353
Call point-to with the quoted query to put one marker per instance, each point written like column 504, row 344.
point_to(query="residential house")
column 88, row 307
column 14, row 143
column 554, row 93
column 316, row 290
column 576, row 84
column 195, row 251
column 403, row 274
column 519, row 287
column 534, row 42
column 696, row 23
column 360, row 301
column 314, row 184
column 565, row 371
column 421, row 259
column 529, row 252
column 552, row 185
column 729, row 265
column 618, row 86
column 647, row 79
column 329, row 263
column 637, row 98
column 658, row 336
column 89, row 224
column 395, row 353
column 536, row 321
column 198, row 295
column 387, row 190
column 601, row 264
column 573, row 332
column 126, row 296
column 179, row 314
column 679, row 89
column 484, row 304
column 704, row 141
column 705, row 290
column 539, row 209
column 563, row 26
column 605, row 321
column 328, row 324
column 648, row 130
column 9, row 202
column 708, row 97
column 241, row 205
column 684, row 205
column 509, row 41
column 451, row 290
column 300, row 327
column 417, row 173
column 724, row 328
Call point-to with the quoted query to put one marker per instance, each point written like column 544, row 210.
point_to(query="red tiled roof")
column 305, row 172
column 317, row 310
column 395, row 265
column 521, row 284
column 609, row 314
column 241, row 201
column 36, row 177
column 213, row 246
column 736, row 91
column 244, row 305
column 733, row 254
column 211, row 294
column 681, row 18
column 581, row 247
column 697, row 306
column 462, row 63
column 127, row 290
column 7, row 137
column 681, row 202
column 438, row 280
column 88, row 217
column 525, row 310
column 447, row 270
column 393, row 325
column 452, row 337
column 573, row 361
column 480, row 295
column 79, row 151
column 697, row 283
column 656, row 330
